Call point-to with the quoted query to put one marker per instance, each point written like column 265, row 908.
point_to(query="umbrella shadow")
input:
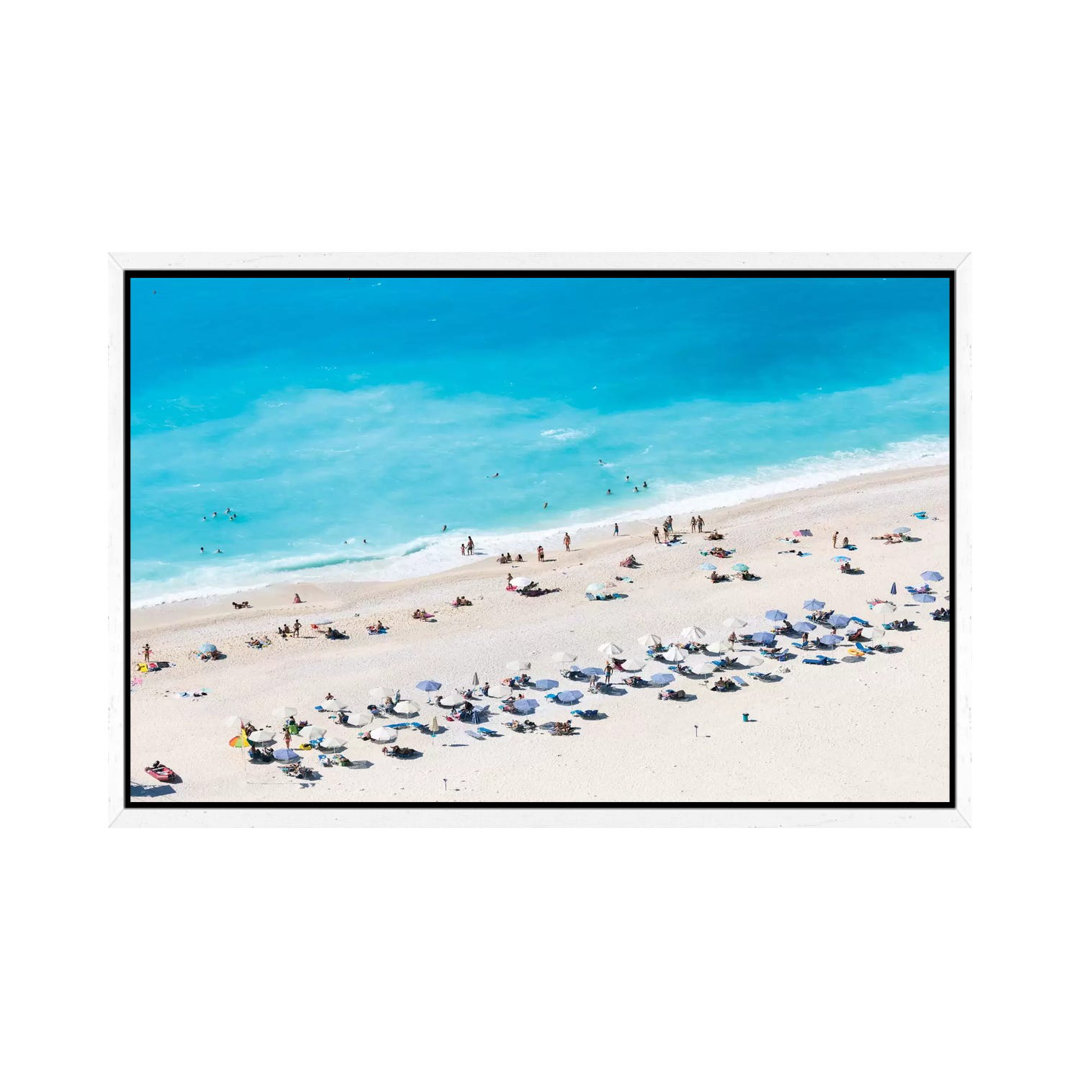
column 150, row 791
column 614, row 691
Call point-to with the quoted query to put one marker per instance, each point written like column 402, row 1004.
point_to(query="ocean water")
column 324, row 412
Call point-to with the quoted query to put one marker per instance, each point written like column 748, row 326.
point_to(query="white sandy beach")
column 875, row 729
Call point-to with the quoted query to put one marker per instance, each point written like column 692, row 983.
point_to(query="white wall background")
column 584, row 126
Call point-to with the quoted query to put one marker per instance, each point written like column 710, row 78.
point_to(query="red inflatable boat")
column 162, row 773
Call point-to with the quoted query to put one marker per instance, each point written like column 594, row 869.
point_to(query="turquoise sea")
column 326, row 410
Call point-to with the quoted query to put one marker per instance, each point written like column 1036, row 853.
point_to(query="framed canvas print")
column 539, row 539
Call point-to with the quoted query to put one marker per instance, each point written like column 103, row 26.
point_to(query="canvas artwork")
column 524, row 538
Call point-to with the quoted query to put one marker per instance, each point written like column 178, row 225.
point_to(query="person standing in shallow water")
column 616, row 533
column 469, row 546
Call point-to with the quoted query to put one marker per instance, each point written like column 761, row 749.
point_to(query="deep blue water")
column 321, row 409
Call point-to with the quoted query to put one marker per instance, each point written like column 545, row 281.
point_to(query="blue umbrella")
column 815, row 605
column 707, row 566
column 568, row 697
column 841, row 558
column 892, row 591
column 776, row 615
column 592, row 671
column 286, row 755
column 662, row 678
column 830, row 639
column 526, row 705
column 546, row 684
column 804, row 627
column 931, row 575
column 924, row 597
column 839, row 621
column 429, row 685
column 764, row 638
column 207, row 647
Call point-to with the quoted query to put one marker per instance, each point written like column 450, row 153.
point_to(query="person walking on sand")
column 616, row 533
column 462, row 549
column 656, row 534
column 566, row 541
column 834, row 536
column 608, row 669
column 469, row 546
column 146, row 653
column 539, row 552
column 288, row 739
column 296, row 628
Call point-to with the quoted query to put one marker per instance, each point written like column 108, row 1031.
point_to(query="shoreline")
column 420, row 556
column 323, row 596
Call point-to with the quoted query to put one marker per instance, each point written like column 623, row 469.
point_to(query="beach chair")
column 819, row 659
column 738, row 680
column 551, row 697
column 398, row 727
column 861, row 622
column 487, row 731
column 863, row 649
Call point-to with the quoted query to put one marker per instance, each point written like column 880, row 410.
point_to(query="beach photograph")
column 539, row 538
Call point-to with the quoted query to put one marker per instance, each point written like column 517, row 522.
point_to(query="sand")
column 870, row 730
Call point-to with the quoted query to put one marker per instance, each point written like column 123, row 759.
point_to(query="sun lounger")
column 398, row 727
column 862, row 648
column 819, row 659
column 487, row 731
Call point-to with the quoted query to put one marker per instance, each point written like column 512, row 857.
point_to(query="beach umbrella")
column 701, row 669
column 546, row 684
column 332, row 740
column 569, row 697
column 804, row 627
column 741, row 567
column 517, row 665
column 872, row 633
column 574, row 667
column 839, row 621
column 748, row 659
column 595, row 587
column 450, row 700
column 716, row 646
column 233, row 722
column 830, row 639
column 892, row 591
column 333, row 706
column 803, row 532
column 521, row 582
column 841, row 558
column 930, row 575
column 433, row 727
column 813, row 605
column 610, row 649
column 207, row 647
column 675, row 654
column 310, row 734
column 776, row 615
column 592, row 671
column 707, row 566
column 563, row 658
column 526, row 705
column 381, row 692
column 924, row 598
column 475, row 679
column 239, row 740
column 903, row 530
column 263, row 735
column 282, row 754
column 285, row 712
column 733, row 623
column 429, row 685
column 764, row 638
column 650, row 641
column 406, row 708
column 693, row 633
column 381, row 735
column 662, row 678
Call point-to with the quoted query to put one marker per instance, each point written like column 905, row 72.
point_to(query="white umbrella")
column 887, row 605
column 610, row 649
column 235, row 722
column 748, row 659
column 716, row 646
column 595, row 587
column 433, row 727
column 701, row 669
column 733, row 622
column 649, row 641
column 333, row 705
column 285, row 712
column 406, row 708
column 382, row 734
column 262, row 735
column 563, row 658
column 522, row 582
column 333, row 740
column 309, row 733
column 517, row 665
column 692, row 633
column 675, row 654
column 450, row 700
column 381, row 692
column 872, row 633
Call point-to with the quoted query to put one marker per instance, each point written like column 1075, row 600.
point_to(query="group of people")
column 697, row 524
column 420, row 613
column 289, row 631
column 460, row 601
column 508, row 558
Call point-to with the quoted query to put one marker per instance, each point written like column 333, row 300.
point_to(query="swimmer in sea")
column 202, row 551
column 219, row 552
column 444, row 528
column 545, row 506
